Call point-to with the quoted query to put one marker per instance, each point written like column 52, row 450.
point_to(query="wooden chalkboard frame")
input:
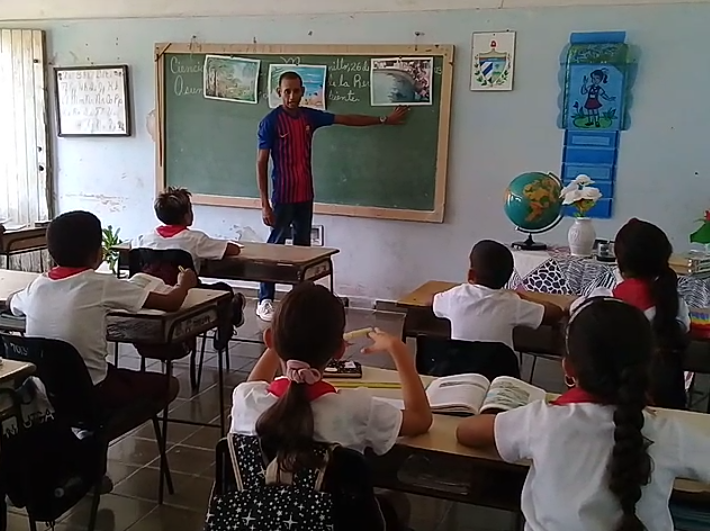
column 446, row 51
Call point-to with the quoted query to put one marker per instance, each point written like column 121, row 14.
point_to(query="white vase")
column 581, row 237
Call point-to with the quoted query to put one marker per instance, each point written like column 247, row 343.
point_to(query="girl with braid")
column 601, row 461
column 648, row 283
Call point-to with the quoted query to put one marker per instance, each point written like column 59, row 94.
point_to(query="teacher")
column 286, row 135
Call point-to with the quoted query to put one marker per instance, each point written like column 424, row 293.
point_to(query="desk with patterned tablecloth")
column 556, row 271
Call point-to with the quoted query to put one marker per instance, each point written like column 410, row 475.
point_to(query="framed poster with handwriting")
column 92, row 101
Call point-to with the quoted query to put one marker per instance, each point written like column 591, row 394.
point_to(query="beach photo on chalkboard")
column 314, row 80
column 401, row 81
column 233, row 79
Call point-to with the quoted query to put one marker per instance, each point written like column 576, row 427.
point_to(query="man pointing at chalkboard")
column 286, row 135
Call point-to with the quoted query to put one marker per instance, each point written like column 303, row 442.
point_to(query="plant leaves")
column 702, row 235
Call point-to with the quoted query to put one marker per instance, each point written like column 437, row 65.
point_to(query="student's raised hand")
column 381, row 342
column 398, row 116
column 187, row 278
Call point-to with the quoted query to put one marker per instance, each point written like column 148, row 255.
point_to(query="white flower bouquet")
column 580, row 195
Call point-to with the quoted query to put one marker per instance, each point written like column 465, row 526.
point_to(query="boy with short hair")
column 482, row 310
column 173, row 208
column 71, row 302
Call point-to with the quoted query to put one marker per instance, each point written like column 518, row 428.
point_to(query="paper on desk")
column 396, row 402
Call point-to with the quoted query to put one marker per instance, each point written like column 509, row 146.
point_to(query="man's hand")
column 267, row 215
column 398, row 116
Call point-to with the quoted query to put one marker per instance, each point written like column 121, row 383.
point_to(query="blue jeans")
column 296, row 216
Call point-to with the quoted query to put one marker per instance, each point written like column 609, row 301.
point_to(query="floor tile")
column 134, row 451
column 188, row 460
column 191, row 492
column 171, row 519
column 116, row 513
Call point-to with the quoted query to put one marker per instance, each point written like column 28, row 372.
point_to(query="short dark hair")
column 172, row 205
column 492, row 263
column 74, row 239
column 290, row 75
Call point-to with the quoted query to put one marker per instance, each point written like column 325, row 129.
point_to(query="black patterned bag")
column 266, row 498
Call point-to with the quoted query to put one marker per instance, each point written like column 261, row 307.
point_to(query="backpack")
column 45, row 465
column 267, row 497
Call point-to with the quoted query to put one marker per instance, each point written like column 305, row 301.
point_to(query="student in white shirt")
column 291, row 412
column 600, row 460
column 72, row 300
column 648, row 283
column 173, row 207
column 481, row 309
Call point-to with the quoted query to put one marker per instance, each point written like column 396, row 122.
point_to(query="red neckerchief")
column 576, row 396
column 168, row 231
column 279, row 387
column 635, row 292
column 59, row 272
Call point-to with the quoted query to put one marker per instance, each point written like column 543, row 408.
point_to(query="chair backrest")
column 162, row 263
column 63, row 373
column 438, row 356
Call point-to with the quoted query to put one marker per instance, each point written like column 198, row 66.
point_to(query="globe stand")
column 529, row 245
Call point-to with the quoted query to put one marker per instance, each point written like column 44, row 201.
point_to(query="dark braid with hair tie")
column 630, row 464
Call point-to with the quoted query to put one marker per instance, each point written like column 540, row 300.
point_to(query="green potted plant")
column 109, row 240
column 702, row 235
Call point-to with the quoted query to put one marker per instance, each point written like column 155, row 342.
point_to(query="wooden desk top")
column 12, row 282
column 423, row 295
column 11, row 370
column 29, row 237
column 271, row 253
column 442, row 435
column 196, row 298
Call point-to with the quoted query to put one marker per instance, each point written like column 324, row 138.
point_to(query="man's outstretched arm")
column 397, row 117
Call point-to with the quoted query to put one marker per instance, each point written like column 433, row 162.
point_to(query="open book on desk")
column 471, row 394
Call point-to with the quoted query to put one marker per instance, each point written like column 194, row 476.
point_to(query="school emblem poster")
column 493, row 59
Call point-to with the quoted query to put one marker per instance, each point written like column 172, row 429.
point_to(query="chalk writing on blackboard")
column 92, row 101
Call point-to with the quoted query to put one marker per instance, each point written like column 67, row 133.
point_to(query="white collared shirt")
column 197, row 243
column 478, row 313
column 570, row 446
column 74, row 309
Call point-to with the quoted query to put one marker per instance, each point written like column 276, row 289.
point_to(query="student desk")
column 12, row 282
column 546, row 340
column 264, row 262
column 22, row 240
column 435, row 464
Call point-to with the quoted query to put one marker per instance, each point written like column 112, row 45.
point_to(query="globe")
column 533, row 204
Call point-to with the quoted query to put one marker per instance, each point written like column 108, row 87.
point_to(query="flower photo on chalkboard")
column 233, row 79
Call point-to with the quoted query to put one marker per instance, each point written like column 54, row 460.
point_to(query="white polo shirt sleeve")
column 442, row 304
column 123, row 295
column 383, row 426
column 512, row 432
column 208, row 248
column 693, row 454
column 528, row 313
column 18, row 302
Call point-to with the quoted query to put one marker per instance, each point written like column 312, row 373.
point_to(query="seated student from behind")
column 290, row 413
column 70, row 303
column 600, row 459
column 648, row 283
column 174, row 209
column 482, row 310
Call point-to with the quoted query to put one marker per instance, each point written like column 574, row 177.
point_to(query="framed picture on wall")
column 92, row 101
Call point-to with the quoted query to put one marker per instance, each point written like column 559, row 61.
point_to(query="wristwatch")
column 383, row 120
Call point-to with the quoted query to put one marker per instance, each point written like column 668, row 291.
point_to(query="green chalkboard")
column 209, row 146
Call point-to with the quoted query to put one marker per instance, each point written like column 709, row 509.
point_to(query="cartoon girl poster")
column 595, row 96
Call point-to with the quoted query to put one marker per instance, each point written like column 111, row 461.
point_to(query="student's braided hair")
column 609, row 348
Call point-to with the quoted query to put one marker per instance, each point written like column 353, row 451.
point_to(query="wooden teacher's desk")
column 435, row 464
column 264, row 262
column 546, row 340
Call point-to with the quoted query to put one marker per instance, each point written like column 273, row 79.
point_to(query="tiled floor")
column 133, row 460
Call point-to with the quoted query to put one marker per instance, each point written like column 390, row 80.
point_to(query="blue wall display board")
column 595, row 78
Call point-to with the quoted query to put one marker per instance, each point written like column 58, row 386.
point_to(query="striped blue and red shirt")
column 289, row 137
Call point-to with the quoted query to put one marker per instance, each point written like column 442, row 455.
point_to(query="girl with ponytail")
column 648, row 283
column 600, row 460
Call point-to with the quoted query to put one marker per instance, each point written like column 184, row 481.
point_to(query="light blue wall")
column 664, row 162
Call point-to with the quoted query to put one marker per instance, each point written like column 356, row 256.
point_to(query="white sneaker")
column 265, row 310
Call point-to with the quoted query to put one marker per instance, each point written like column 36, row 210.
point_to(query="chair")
column 70, row 391
column 437, row 356
column 165, row 264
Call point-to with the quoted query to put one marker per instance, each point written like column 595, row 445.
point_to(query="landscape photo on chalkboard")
column 314, row 82
column 92, row 101
column 233, row 79
column 401, row 81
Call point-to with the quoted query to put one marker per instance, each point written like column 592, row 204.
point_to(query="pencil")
column 181, row 269
column 371, row 385
column 355, row 334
